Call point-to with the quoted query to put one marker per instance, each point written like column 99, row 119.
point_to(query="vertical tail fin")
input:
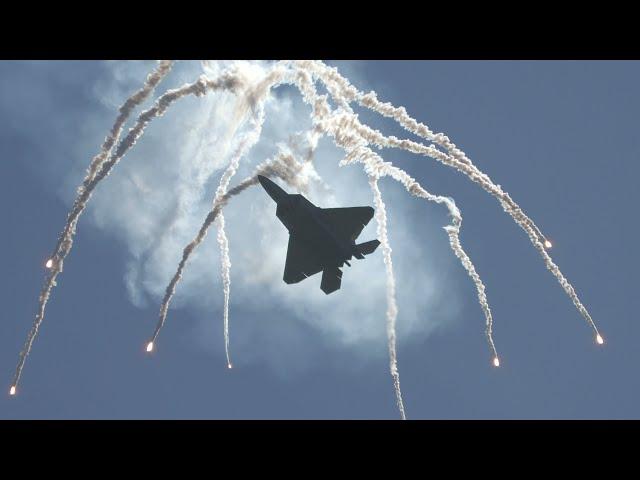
column 331, row 280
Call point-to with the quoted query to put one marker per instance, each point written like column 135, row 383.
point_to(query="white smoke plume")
column 285, row 167
column 225, row 270
column 198, row 88
column 223, row 241
column 252, row 85
column 457, row 159
column 253, row 97
column 245, row 144
column 343, row 128
column 392, row 307
column 65, row 241
column 373, row 163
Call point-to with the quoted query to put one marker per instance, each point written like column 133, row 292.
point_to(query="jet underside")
column 320, row 239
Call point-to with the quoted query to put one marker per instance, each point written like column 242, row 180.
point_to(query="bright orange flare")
column 547, row 244
column 496, row 362
column 49, row 263
column 12, row 390
column 599, row 339
column 150, row 347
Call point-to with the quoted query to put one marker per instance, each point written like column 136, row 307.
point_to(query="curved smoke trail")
column 322, row 119
column 248, row 140
column 198, row 88
column 65, row 240
column 225, row 260
column 254, row 97
column 377, row 168
column 283, row 166
column 349, row 122
column 347, row 93
column 343, row 126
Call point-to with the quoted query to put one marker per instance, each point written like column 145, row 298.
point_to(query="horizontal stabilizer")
column 368, row 247
column 331, row 280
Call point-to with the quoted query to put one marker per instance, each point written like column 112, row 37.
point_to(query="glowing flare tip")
column 496, row 362
column 599, row 339
column 49, row 263
column 12, row 390
column 547, row 244
column 229, row 366
column 150, row 347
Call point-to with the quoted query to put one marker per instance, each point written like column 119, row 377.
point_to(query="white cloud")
column 156, row 200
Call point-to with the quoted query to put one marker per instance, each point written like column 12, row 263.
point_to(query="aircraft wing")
column 348, row 222
column 301, row 261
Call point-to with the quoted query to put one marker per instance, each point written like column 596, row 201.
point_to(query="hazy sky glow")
column 559, row 136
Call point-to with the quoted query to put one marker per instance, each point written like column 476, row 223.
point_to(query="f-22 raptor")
column 320, row 239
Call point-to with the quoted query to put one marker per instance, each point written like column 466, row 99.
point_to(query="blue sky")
column 558, row 136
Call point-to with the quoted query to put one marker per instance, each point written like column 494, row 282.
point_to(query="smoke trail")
column 247, row 95
column 321, row 118
column 254, row 98
column 509, row 206
column 392, row 307
column 225, row 263
column 457, row 159
column 125, row 110
column 453, row 231
column 283, row 166
column 357, row 132
column 226, row 81
column 199, row 170
column 55, row 263
column 376, row 166
column 346, row 126
column 153, row 79
column 353, row 137
column 401, row 117
column 346, row 131
column 223, row 242
column 248, row 140
column 346, row 93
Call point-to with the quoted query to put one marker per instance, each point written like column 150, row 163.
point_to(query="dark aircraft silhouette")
column 320, row 239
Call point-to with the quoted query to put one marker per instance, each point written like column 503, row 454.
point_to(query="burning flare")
column 12, row 390
column 150, row 347
column 49, row 263
column 599, row 339
column 496, row 362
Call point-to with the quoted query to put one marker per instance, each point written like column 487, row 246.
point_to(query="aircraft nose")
column 272, row 189
column 263, row 180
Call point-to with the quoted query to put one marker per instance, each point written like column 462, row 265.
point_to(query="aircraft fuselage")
column 304, row 220
column 320, row 239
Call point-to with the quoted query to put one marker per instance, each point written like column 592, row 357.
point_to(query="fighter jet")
column 320, row 239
